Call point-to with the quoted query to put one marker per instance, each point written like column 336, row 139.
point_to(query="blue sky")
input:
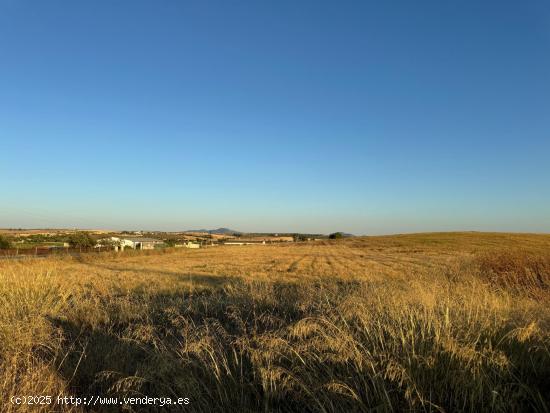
column 313, row 116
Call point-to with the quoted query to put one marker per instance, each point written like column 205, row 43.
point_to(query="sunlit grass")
column 435, row 322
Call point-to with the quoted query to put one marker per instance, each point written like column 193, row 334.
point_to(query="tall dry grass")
column 516, row 270
column 340, row 327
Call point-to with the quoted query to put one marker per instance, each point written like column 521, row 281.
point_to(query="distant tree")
column 108, row 242
column 4, row 243
column 81, row 239
column 171, row 242
column 336, row 235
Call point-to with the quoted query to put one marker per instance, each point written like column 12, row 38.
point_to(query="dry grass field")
column 427, row 322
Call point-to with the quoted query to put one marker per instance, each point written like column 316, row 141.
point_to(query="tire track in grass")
column 294, row 266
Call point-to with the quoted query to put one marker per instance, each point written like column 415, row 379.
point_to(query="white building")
column 188, row 244
column 238, row 241
column 137, row 243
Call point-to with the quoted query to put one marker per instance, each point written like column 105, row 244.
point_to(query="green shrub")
column 81, row 239
column 4, row 243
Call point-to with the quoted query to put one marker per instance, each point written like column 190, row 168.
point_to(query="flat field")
column 424, row 322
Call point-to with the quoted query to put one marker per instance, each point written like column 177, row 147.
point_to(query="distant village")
column 49, row 240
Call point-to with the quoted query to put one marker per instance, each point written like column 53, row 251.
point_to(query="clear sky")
column 361, row 116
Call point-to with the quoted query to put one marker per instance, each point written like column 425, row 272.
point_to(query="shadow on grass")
column 227, row 350
column 184, row 344
column 147, row 356
column 89, row 352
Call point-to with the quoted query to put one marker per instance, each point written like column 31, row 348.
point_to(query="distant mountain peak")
column 217, row 231
column 224, row 231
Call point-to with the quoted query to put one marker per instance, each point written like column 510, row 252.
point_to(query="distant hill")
column 218, row 231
